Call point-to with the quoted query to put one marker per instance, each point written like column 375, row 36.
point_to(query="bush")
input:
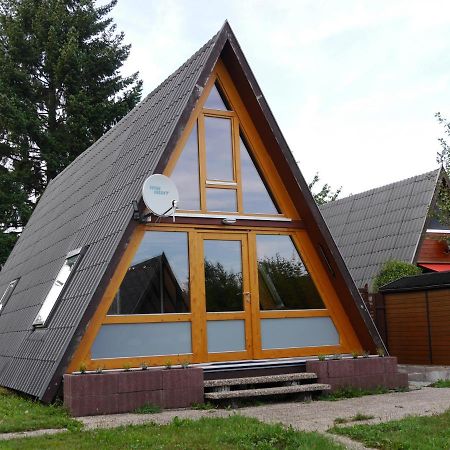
column 393, row 270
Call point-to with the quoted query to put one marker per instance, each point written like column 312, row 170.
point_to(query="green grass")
column 22, row 414
column 351, row 392
column 441, row 384
column 412, row 433
column 235, row 432
column 148, row 409
column 359, row 417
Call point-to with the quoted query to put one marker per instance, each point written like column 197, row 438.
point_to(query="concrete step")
column 280, row 390
column 287, row 377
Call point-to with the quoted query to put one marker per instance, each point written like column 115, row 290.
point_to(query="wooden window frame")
column 237, row 130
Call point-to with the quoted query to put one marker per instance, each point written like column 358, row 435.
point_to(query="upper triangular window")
column 255, row 196
column 216, row 172
column 216, row 100
column 186, row 174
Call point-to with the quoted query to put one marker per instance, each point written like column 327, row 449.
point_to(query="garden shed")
column 417, row 316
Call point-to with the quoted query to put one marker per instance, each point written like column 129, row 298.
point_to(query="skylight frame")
column 8, row 293
column 56, row 292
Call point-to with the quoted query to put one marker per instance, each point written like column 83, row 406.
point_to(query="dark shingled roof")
column 89, row 204
column 381, row 224
column 426, row 281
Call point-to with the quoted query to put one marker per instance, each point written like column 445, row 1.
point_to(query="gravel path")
column 313, row 416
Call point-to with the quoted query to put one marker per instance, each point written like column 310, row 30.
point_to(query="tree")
column 442, row 211
column 443, row 157
column 393, row 270
column 326, row 193
column 60, row 90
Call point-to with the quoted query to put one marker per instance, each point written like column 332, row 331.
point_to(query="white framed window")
column 7, row 293
column 56, row 290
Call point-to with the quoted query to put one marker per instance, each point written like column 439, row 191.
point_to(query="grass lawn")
column 415, row 433
column 235, row 432
column 21, row 414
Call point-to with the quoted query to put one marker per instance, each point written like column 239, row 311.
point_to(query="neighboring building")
column 391, row 222
column 247, row 271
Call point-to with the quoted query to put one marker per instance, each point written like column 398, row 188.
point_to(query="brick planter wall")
column 119, row 392
column 363, row 373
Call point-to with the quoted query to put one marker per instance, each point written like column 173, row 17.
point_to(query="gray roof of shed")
column 89, row 205
column 381, row 224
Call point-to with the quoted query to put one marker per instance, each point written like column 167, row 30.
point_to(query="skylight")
column 55, row 292
column 7, row 294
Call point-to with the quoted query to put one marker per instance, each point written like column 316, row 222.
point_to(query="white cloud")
column 353, row 84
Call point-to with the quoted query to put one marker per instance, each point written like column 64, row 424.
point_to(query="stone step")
column 260, row 380
column 246, row 393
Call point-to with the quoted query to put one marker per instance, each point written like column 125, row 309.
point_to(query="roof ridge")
column 352, row 196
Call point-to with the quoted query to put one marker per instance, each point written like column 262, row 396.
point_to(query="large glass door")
column 226, row 293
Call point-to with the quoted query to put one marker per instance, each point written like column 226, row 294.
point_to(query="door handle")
column 247, row 296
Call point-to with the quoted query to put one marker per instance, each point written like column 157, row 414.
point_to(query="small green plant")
column 351, row 392
column 356, row 354
column 126, row 367
column 366, row 354
column 340, row 420
column 337, row 356
column 203, row 406
column 144, row 366
column 148, row 409
column 185, row 364
column 82, row 368
column 441, row 384
column 322, row 357
column 380, row 352
column 168, row 364
column 99, row 369
column 360, row 417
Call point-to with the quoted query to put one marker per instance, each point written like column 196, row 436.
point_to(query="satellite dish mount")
column 160, row 196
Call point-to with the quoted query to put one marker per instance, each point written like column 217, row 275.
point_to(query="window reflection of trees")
column 151, row 287
column 223, row 288
column 285, row 284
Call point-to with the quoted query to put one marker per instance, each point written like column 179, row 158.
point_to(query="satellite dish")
column 160, row 195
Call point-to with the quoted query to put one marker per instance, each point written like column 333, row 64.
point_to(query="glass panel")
column 226, row 336
column 298, row 332
column 7, row 294
column 55, row 291
column 219, row 158
column 142, row 339
column 215, row 100
column 255, row 196
column 223, row 275
column 186, row 174
column 221, row 200
column 284, row 282
column 157, row 280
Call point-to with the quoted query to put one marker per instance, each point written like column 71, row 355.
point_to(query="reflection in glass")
column 186, row 176
column 215, row 100
column 223, row 275
column 255, row 196
column 221, row 200
column 284, row 282
column 55, row 291
column 219, row 158
column 157, row 280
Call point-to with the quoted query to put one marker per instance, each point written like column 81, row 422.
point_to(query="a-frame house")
column 247, row 271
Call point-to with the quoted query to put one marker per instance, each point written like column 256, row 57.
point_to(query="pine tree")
column 60, row 90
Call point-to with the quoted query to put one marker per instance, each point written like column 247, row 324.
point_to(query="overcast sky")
column 354, row 85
